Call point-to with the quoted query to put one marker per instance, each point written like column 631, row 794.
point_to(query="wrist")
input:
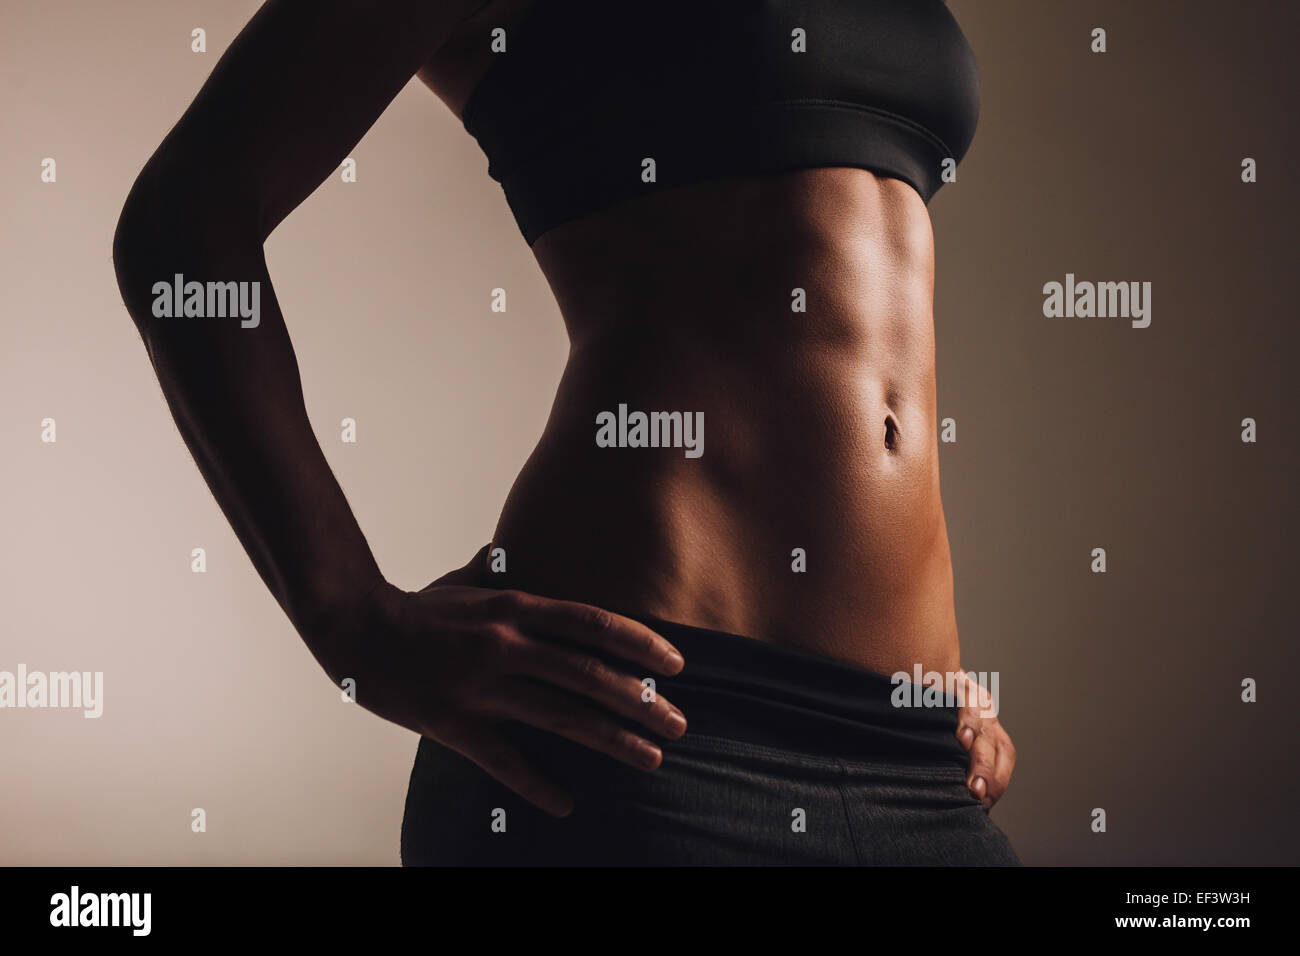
column 330, row 616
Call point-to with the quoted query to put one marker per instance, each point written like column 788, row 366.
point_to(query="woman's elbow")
column 135, row 244
column 174, row 224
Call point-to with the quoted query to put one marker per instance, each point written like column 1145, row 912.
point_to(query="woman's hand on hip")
column 992, row 754
column 453, row 662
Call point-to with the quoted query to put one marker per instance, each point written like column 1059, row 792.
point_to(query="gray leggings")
column 789, row 759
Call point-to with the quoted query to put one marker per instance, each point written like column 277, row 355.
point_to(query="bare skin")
column 819, row 425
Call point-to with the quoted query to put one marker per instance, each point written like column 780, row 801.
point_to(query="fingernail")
column 674, row 661
column 977, row 784
column 676, row 723
column 966, row 735
column 648, row 755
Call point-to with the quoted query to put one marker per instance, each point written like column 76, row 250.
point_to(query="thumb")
column 469, row 574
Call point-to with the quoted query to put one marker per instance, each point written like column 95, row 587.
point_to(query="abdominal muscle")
column 812, row 518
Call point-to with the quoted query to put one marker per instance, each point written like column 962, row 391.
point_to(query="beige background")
column 1121, row 690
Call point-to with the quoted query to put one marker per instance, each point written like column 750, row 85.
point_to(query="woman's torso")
column 812, row 519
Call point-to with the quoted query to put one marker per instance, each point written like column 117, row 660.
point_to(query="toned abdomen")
column 793, row 313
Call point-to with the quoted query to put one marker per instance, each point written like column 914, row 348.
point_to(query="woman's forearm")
column 235, row 393
column 285, row 104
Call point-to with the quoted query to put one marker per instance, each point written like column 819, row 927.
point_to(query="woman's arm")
column 294, row 93
column 298, row 88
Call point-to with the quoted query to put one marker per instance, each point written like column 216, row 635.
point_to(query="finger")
column 563, row 714
column 979, row 698
column 593, row 678
column 1003, row 764
column 982, row 754
column 975, row 702
column 595, row 627
column 502, row 761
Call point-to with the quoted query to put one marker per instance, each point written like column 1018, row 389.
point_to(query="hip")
column 790, row 759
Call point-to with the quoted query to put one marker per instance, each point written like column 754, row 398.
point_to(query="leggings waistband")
column 748, row 690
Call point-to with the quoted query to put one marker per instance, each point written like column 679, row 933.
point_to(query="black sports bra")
column 594, row 101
